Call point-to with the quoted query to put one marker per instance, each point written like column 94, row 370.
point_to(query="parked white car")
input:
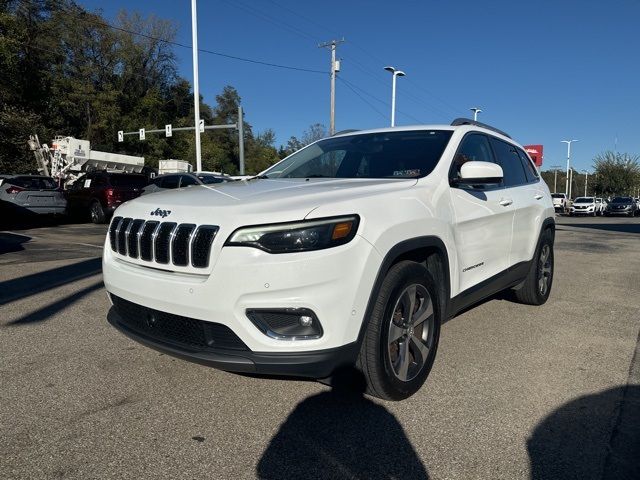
column 349, row 252
column 584, row 206
column 559, row 202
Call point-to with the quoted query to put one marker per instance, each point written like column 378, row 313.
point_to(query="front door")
column 483, row 218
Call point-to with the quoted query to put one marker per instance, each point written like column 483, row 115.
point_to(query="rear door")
column 483, row 217
column 523, row 186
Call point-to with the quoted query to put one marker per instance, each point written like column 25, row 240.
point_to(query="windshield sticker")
column 407, row 173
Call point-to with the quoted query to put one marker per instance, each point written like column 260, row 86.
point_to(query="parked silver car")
column 28, row 194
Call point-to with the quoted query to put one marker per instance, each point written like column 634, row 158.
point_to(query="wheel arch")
column 428, row 250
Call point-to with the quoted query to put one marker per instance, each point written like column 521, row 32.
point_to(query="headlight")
column 297, row 236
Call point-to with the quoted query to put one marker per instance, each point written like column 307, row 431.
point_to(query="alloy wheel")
column 544, row 269
column 411, row 332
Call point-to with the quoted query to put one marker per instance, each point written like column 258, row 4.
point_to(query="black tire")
column 375, row 360
column 97, row 212
column 537, row 285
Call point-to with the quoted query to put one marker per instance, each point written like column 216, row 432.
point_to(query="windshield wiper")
column 262, row 177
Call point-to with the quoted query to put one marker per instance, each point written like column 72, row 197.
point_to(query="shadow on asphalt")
column 609, row 227
column 12, row 242
column 15, row 289
column 45, row 313
column 571, row 443
column 341, row 434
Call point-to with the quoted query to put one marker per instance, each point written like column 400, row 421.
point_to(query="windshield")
column 404, row 154
column 557, row 195
column 621, row 200
column 123, row 180
column 584, row 200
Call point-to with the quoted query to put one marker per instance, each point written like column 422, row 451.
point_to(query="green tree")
column 616, row 173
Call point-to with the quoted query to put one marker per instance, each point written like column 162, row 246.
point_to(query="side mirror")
column 480, row 173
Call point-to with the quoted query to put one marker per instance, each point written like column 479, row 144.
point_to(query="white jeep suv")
column 349, row 252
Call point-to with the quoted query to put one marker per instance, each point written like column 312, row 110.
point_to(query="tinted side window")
column 474, row 147
column 529, row 168
column 509, row 159
column 187, row 180
column 172, row 181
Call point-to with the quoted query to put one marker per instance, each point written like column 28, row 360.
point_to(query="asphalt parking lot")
column 516, row 391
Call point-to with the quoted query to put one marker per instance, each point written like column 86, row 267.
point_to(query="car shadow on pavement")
column 12, row 242
column 50, row 310
column 609, row 227
column 341, row 434
column 581, row 440
column 15, row 289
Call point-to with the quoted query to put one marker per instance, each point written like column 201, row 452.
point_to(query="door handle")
column 505, row 202
column 537, row 197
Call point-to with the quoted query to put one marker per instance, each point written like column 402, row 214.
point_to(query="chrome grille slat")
column 115, row 223
column 201, row 245
column 146, row 240
column 122, row 240
column 166, row 243
column 133, row 249
column 162, row 252
column 180, row 242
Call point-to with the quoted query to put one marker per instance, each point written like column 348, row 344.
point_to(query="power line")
column 363, row 68
column 85, row 16
column 380, row 101
column 348, row 85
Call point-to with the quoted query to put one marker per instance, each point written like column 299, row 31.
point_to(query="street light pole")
column 555, row 177
column 475, row 111
column 395, row 73
column 568, row 185
column 196, row 85
column 586, row 181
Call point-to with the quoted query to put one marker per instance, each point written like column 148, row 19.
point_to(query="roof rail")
column 467, row 121
column 349, row 130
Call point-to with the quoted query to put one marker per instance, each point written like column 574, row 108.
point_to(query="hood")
column 255, row 201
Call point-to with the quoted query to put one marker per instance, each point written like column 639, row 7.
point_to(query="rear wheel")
column 537, row 285
column 97, row 212
column 400, row 343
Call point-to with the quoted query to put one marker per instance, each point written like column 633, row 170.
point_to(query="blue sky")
column 543, row 71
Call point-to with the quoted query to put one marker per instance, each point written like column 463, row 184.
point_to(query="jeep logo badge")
column 160, row 213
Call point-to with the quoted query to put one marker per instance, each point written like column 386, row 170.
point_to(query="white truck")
column 560, row 203
column 68, row 158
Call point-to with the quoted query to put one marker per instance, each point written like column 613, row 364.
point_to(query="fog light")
column 286, row 323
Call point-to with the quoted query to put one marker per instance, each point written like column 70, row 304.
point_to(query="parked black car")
column 622, row 206
column 97, row 194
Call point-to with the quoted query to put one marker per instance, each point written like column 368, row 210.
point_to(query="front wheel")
column 399, row 346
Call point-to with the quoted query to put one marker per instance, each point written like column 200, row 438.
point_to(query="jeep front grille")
column 162, row 242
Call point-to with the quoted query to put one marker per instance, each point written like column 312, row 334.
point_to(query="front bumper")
column 334, row 283
column 311, row 364
column 626, row 211
column 583, row 211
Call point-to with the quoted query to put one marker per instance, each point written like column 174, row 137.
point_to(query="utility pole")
column 241, row 139
column 196, row 85
column 335, row 67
